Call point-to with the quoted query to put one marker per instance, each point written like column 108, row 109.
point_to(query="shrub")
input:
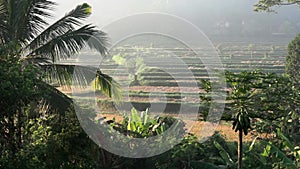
column 293, row 59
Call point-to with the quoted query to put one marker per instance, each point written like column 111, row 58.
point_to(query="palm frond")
column 37, row 61
column 99, row 41
column 62, row 26
column 107, row 85
column 2, row 7
column 63, row 75
column 67, row 75
column 31, row 18
column 24, row 19
column 3, row 22
column 71, row 42
column 54, row 101
column 23, row 34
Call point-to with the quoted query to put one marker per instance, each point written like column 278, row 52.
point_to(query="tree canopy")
column 32, row 111
column 27, row 36
column 268, row 5
column 293, row 59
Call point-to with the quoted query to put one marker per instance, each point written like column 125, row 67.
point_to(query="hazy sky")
column 205, row 14
column 105, row 11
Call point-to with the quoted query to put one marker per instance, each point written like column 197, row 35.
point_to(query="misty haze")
column 151, row 84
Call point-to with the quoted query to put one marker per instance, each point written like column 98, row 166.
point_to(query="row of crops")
column 157, row 66
column 143, row 70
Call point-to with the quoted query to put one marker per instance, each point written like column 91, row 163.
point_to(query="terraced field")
column 171, row 86
column 159, row 79
column 165, row 84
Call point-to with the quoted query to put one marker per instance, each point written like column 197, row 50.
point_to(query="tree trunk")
column 11, row 136
column 240, row 149
column 19, row 128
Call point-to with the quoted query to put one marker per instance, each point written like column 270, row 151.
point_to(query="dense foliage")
column 30, row 137
column 38, row 125
column 267, row 100
column 18, row 91
column 38, row 140
column 293, row 59
column 268, row 5
column 39, row 128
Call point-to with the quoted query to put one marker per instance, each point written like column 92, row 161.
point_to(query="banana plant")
column 276, row 155
column 134, row 66
column 225, row 155
column 141, row 124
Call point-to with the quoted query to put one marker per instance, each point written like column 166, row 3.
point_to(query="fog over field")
column 219, row 19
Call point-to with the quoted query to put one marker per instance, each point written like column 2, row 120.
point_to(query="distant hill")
column 221, row 20
column 236, row 19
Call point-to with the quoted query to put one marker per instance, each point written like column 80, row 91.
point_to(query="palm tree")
column 27, row 36
column 28, row 40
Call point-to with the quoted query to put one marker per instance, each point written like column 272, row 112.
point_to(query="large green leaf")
column 63, row 25
column 107, row 85
column 272, row 150
column 223, row 153
column 71, row 42
column 54, row 101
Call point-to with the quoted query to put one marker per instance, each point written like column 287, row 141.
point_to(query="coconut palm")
column 26, row 36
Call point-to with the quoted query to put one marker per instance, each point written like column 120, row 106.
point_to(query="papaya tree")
column 238, row 107
column 255, row 95
column 241, row 90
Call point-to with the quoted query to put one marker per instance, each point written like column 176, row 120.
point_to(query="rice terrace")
column 151, row 84
column 146, row 86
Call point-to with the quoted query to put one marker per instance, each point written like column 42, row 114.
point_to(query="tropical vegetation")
column 33, row 112
column 39, row 127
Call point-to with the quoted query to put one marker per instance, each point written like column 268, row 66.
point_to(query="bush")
column 54, row 141
column 293, row 59
column 189, row 153
column 31, row 138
